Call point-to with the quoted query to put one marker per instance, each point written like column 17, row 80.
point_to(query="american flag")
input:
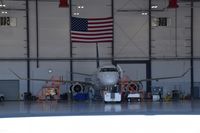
column 91, row 30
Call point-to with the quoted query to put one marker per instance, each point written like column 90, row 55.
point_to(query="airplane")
column 107, row 78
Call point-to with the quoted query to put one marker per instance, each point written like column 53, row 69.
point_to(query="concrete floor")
column 66, row 108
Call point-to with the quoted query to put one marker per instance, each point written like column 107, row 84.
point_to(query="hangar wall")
column 13, row 39
column 196, row 29
column 131, row 40
column 172, row 68
column 17, row 66
column 53, row 30
column 131, row 29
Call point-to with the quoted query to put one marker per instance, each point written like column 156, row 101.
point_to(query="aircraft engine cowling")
column 132, row 87
column 77, row 87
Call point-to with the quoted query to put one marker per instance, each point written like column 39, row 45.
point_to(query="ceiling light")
column 2, row 5
column 144, row 13
column 154, row 6
column 50, row 70
column 80, row 7
column 76, row 13
column 4, row 12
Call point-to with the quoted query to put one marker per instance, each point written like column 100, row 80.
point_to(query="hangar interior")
column 150, row 39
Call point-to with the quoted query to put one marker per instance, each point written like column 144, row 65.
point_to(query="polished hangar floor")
column 68, row 108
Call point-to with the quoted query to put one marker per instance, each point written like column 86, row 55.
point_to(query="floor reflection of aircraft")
column 113, row 108
column 107, row 78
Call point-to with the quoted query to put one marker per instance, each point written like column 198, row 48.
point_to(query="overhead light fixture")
column 4, row 12
column 2, row 5
column 76, row 13
column 50, row 71
column 154, row 6
column 144, row 13
column 80, row 7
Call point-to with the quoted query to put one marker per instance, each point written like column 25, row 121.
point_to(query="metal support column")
column 192, row 53
column 28, row 45
column 37, row 33
column 176, row 33
column 71, row 61
column 97, row 54
column 112, row 14
column 149, row 62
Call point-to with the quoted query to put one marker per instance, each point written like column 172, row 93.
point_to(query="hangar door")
column 135, row 72
column 10, row 89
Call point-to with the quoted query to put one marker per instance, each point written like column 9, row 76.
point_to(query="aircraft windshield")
column 108, row 70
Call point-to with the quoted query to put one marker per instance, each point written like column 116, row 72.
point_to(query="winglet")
column 15, row 74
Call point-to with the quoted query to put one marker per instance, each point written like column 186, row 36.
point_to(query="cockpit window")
column 108, row 70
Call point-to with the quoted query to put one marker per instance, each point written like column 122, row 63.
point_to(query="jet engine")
column 76, row 88
column 132, row 88
column 78, row 92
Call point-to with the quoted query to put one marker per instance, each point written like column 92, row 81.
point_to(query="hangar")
column 51, row 51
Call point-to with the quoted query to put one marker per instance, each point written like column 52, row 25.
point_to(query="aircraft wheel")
column 2, row 98
column 128, row 100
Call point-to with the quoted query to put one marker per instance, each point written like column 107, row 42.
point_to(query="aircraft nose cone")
column 108, row 79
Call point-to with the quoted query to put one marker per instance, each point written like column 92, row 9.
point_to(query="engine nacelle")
column 77, row 88
column 132, row 87
column 78, row 92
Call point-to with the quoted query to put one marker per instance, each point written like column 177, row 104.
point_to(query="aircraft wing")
column 49, row 80
column 163, row 78
column 83, row 74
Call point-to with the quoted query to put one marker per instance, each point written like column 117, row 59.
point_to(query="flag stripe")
column 91, row 37
column 86, row 38
column 95, row 34
column 104, row 26
column 100, row 18
column 92, row 41
column 105, row 22
column 100, row 30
